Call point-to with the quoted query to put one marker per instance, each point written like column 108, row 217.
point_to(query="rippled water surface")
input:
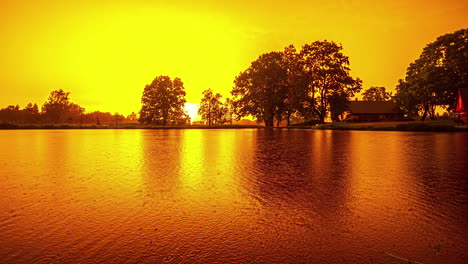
column 233, row 196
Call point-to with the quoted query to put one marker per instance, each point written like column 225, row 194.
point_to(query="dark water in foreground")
column 232, row 196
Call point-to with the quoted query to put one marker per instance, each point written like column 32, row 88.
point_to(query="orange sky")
column 104, row 52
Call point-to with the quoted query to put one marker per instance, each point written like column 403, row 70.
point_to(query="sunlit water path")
column 232, row 196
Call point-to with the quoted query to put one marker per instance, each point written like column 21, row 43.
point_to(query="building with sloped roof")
column 369, row 111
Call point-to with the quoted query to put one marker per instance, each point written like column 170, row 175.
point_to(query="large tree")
column 163, row 101
column 230, row 110
column 260, row 90
column 376, row 94
column 296, row 83
column 327, row 70
column 59, row 109
column 434, row 78
column 339, row 103
column 31, row 114
column 10, row 114
column 212, row 110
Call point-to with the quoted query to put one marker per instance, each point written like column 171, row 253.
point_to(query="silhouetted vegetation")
column 56, row 110
column 434, row 78
column 310, row 83
column 327, row 70
column 163, row 102
column 14, row 115
column 260, row 91
column 376, row 94
column 212, row 110
column 433, row 126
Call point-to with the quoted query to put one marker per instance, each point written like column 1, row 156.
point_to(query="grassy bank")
column 429, row 126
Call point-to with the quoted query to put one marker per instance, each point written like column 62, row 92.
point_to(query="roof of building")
column 373, row 107
column 462, row 100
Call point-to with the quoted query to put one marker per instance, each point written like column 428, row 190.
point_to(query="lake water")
column 233, row 196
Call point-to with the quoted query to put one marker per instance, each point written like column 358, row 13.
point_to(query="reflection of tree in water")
column 304, row 175
column 280, row 165
column 434, row 192
column 301, row 180
column 293, row 167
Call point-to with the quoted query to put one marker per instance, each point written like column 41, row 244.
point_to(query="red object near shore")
column 461, row 105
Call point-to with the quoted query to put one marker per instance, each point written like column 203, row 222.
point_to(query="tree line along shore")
column 288, row 88
column 413, row 126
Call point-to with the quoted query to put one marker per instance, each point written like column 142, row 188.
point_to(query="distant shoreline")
column 120, row 126
column 415, row 126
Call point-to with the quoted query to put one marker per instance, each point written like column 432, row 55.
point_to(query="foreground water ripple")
column 232, row 196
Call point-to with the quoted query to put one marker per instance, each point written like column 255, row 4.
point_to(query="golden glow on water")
column 192, row 158
column 150, row 196
column 208, row 172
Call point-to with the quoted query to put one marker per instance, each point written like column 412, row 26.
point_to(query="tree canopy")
column 260, row 90
column 296, row 83
column 59, row 109
column 434, row 78
column 163, row 101
column 311, row 83
column 376, row 94
column 212, row 110
column 329, row 81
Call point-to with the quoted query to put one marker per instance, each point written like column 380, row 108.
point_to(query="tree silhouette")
column 261, row 90
column 212, row 110
column 132, row 116
column 118, row 118
column 163, row 101
column 230, row 110
column 59, row 109
column 327, row 70
column 56, row 105
column 296, row 83
column 376, row 94
column 434, row 78
column 100, row 118
column 31, row 114
column 338, row 104
column 10, row 114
